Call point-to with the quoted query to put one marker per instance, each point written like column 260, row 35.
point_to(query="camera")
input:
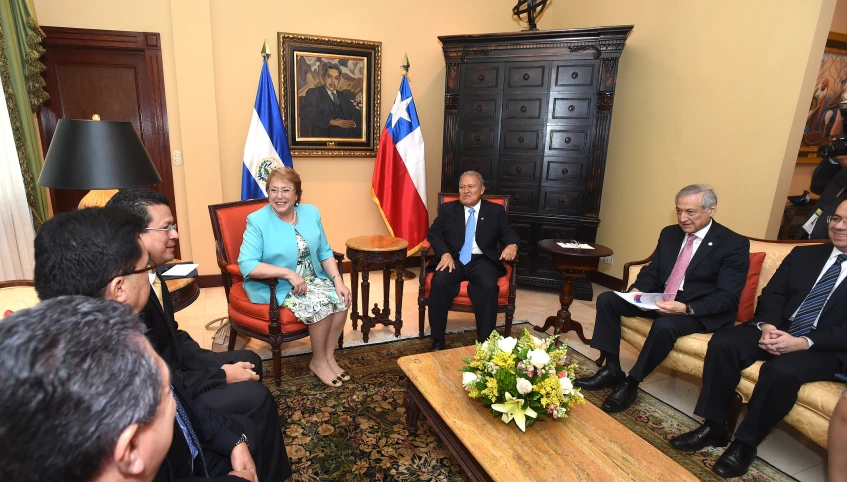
column 837, row 148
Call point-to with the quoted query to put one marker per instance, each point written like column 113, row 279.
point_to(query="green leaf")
column 468, row 369
column 467, row 360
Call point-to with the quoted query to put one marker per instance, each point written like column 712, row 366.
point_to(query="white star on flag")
column 400, row 110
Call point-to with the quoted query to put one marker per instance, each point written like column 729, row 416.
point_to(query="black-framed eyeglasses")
column 168, row 229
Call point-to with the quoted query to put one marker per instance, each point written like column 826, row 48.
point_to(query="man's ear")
column 127, row 456
column 116, row 290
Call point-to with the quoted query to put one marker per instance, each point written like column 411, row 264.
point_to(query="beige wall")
column 707, row 92
column 211, row 65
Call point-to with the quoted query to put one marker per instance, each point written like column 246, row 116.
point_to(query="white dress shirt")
column 474, row 248
column 699, row 235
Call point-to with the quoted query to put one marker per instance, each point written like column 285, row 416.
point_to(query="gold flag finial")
column 266, row 51
column 406, row 64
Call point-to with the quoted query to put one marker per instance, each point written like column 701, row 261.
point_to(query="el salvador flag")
column 266, row 146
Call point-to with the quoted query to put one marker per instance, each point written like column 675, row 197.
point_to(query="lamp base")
column 96, row 198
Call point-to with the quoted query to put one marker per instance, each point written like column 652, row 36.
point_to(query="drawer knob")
column 518, row 169
column 525, row 76
column 567, row 140
column 564, row 172
column 571, row 108
column 520, row 139
column 573, row 75
column 481, row 77
column 479, row 107
column 475, row 167
column 517, row 199
column 523, row 108
column 476, row 138
column 561, row 202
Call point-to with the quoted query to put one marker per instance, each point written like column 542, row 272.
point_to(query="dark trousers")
column 242, row 398
column 733, row 349
column 659, row 343
column 481, row 274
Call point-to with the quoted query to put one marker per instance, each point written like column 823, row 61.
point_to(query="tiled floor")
column 784, row 448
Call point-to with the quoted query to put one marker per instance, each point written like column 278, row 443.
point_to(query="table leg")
column 563, row 322
column 412, row 411
column 398, row 298
column 366, row 291
column 354, row 282
column 386, row 288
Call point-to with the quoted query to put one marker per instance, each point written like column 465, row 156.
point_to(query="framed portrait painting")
column 824, row 120
column 330, row 94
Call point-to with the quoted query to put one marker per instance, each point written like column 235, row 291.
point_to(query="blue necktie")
column 811, row 307
column 190, row 435
column 470, row 229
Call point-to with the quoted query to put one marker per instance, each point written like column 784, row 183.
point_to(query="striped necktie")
column 811, row 307
column 190, row 435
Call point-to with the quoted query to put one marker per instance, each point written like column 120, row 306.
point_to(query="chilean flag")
column 399, row 182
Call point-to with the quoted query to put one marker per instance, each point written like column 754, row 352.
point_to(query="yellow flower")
column 491, row 388
column 504, row 360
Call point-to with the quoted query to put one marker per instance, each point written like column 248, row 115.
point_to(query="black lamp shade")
column 88, row 154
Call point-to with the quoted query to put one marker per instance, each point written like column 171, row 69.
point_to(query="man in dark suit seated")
column 464, row 239
column 799, row 330
column 118, row 428
column 701, row 266
column 97, row 252
column 330, row 112
column 228, row 381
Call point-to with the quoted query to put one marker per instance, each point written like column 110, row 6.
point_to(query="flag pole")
column 407, row 274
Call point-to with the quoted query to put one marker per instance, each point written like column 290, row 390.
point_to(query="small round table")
column 388, row 251
column 183, row 290
column 573, row 263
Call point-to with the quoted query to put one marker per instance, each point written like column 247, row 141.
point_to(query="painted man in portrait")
column 330, row 112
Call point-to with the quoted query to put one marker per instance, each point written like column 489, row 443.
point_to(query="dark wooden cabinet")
column 531, row 112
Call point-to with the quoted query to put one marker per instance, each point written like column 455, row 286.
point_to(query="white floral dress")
column 320, row 299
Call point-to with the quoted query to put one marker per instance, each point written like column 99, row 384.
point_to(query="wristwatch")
column 242, row 439
column 688, row 309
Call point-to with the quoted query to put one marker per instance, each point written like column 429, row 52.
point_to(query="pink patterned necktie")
column 679, row 269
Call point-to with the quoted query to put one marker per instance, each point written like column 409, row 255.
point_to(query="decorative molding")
column 451, row 102
column 608, row 66
column 605, row 100
column 611, row 46
column 580, row 48
column 607, row 281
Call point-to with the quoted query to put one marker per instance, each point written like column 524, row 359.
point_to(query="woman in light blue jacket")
column 286, row 240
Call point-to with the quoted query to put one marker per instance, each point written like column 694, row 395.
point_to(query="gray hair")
column 473, row 173
column 709, row 197
column 77, row 374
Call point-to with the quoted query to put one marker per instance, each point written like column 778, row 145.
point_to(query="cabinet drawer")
column 482, row 137
column 563, row 170
column 528, row 141
column 527, row 107
column 577, row 109
column 558, row 201
column 524, row 230
column 579, row 75
column 566, row 233
column 523, row 199
column 526, row 76
column 567, row 140
column 483, row 164
column 474, row 108
column 482, row 76
column 518, row 170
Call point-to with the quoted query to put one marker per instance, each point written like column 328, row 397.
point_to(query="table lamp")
column 102, row 156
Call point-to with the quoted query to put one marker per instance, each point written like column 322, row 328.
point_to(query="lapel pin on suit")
column 710, row 243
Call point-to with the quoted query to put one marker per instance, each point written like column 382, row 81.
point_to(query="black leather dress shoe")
column 621, row 398
column 604, row 378
column 437, row 345
column 735, row 461
column 700, row 438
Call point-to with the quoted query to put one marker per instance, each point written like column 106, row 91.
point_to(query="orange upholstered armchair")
column 508, row 284
column 268, row 323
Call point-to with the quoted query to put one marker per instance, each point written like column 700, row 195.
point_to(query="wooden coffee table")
column 588, row 445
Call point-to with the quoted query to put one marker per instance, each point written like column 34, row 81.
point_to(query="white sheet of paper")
column 181, row 269
column 574, row 245
column 645, row 301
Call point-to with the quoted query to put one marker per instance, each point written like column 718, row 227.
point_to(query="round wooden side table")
column 183, row 290
column 573, row 263
column 390, row 252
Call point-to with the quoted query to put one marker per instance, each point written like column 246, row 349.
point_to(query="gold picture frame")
column 330, row 94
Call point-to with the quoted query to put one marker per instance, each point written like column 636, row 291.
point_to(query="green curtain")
column 20, row 49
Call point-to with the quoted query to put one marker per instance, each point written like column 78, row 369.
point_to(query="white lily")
column 511, row 409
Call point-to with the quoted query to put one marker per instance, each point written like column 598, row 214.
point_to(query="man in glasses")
column 799, row 330
column 98, row 252
column 226, row 381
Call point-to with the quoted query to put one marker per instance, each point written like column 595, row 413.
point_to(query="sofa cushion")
column 747, row 301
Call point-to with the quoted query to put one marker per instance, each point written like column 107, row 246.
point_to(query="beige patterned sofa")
column 815, row 402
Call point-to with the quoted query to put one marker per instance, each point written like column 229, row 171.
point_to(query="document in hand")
column 645, row 301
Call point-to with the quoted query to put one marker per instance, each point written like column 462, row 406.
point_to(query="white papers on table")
column 574, row 245
column 181, row 269
column 645, row 301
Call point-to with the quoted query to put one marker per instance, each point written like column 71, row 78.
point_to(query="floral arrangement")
column 523, row 379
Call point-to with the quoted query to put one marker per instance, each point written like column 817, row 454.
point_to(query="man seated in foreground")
column 118, row 428
column 798, row 330
column 227, row 382
column 701, row 266
column 97, row 252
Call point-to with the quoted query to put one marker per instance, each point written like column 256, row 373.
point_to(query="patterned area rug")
column 358, row 432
